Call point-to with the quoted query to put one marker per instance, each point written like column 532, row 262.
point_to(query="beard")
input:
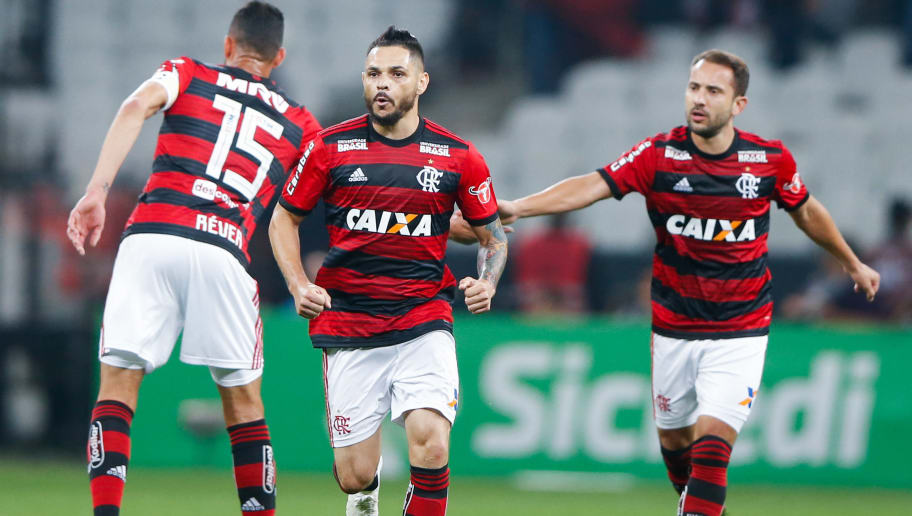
column 713, row 127
column 400, row 109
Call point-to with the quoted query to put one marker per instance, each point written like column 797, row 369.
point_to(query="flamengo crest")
column 429, row 178
column 747, row 185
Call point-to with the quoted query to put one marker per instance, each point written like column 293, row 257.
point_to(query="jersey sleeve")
column 475, row 196
column 174, row 75
column 790, row 192
column 307, row 184
column 632, row 172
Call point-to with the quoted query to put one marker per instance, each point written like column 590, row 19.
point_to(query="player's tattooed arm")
column 492, row 257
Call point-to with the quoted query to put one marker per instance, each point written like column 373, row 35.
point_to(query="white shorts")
column 363, row 385
column 163, row 284
column 693, row 378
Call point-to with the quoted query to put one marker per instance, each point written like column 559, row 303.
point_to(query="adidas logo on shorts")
column 357, row 176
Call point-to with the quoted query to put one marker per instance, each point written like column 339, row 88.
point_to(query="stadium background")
column 555, row 395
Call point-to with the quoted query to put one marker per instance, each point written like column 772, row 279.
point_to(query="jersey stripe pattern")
column 388, row 207
column 226, row 144
column 711, row 218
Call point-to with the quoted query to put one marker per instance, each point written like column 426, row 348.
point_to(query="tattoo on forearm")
column 105, row 187
column 492, row 258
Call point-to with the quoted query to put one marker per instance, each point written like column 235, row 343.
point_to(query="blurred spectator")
column 907, row 34
column 562, row 33
column 550, row 268
column 828, row 295
column 893, row 259
column 794, row 23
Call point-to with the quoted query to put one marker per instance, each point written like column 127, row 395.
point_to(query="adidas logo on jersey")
column 252, row 505
column 357, row 176
column 119, row 472
column 712, row 229
column 683, row 186
column 376, row 221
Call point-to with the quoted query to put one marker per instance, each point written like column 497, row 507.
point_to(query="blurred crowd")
column 557, row 34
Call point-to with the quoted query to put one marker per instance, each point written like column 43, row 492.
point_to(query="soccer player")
column 380, row 305
column 708, row 188
column 227, row 141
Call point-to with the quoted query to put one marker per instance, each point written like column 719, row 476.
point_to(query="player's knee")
column 432, row 452
column 354, row 479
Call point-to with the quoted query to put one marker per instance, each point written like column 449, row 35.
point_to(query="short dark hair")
column 394, row 37
column 736, row 64
column 259, row 27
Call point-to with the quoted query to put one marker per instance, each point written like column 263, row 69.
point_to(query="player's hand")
column 507, row 211
column 866, row 280
column 461, row 231
column 87, row 219
column 310, row 300
column 478, row 294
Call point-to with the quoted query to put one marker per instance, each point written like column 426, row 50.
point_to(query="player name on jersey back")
column 226, row 143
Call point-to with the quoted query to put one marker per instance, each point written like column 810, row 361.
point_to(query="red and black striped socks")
column 677, row 462
column 427, row 492
column 705, row 492
column 254, row 468
column 108, row 452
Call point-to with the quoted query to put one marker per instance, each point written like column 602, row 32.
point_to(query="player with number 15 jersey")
column 227, row 141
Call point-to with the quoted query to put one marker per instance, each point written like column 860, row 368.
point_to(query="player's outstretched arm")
column 310, row 300
column 570, row 194
column 814, row 219
column 492, row 257
column 88, row 216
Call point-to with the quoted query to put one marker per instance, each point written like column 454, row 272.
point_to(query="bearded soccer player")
column 227, row 141
column 380, row 305
column 708, row 188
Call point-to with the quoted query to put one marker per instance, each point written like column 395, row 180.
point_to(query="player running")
column 380, row 305
column 227, row 141
column 708, row 188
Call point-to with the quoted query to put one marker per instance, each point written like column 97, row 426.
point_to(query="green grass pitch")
column 61, row 488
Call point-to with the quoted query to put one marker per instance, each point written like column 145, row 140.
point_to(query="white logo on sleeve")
column 747, row 185
column 482, row 191
column 683, row 186
column 794, row 185
column 429, row 179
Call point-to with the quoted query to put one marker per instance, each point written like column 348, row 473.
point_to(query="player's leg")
column 251, row 448
column 674, row 370
column 108, row 448
column 727, row 382
column 223, row 330
column 428, row 434
column 425, row 398
column 357, row 384
column 142, row 319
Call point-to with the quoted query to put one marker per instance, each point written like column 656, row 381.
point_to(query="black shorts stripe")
column 370, row 264
column 705, row 184
column 710, row 269
column 390, row 338
column 163, row 228
column 707, row 310
column 175, row 198
column 346, row 302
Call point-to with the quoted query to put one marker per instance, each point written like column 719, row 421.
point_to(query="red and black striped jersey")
column 388, row 207
column 225, row 147
column 711, row 218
